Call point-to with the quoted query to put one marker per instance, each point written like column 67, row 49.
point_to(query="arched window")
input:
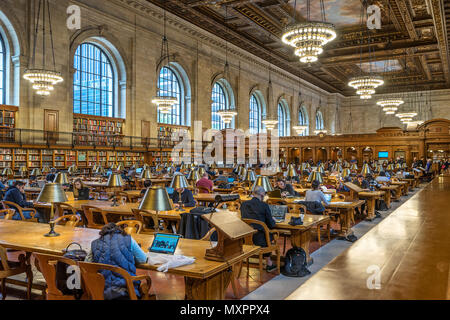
column 221, row 100
column 94, row 88
column 319, row 121
column 283, row 119
column 255, row 115
column 303, row 120
column 2, row 71
column 169, row 85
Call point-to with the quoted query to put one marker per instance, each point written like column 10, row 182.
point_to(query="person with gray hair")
column 257, row 209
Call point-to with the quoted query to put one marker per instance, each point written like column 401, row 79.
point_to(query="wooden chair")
column 69, row 220
column 201, row 189
column 47, row 265
column 93, row 215
column 144, row 216
column 272, row 246
column 122, row 196
column 95, row 282
column 131, row 226
column 19, row 209
column 277, row 202
column 12, row 268
column 6, row 214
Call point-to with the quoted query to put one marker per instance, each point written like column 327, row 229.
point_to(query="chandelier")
column 309, row 38
column 164, row 101
column 320, row 131
column 300, row 129
column 390, row 105
column 365, row 85
column 43, row 79
column 227, row 115
column 270, row 124
column 406, row 116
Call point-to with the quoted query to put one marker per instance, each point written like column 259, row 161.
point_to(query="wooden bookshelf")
column 6, row 158
column 96, row 130
column 165, row 132
column 7, row 122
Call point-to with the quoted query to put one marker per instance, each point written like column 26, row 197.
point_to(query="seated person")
column 361, row 182
column 342, row 187
column 382, row 178
column 16, row 194
column 315, row 194
column 147, row 184
column 205, row 183
column 187, row 199
column 256, row 209
column 115, row 247
column 221, row 178
column 51, row 176
column 80, row 191
column 285, row 188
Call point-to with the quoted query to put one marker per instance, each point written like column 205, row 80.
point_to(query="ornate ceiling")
column 414, row 33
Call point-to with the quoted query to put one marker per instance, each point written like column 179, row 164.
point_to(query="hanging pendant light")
column 164, row 101
column 43, row 79
column 406, row 116
column 309, row 38
column 390, row 105
column 300, row 129
column 365, row 83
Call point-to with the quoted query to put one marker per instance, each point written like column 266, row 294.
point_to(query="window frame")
column 3, row 71
column 258, row 118
column 216, row 119
column 181, row 98
column 114, row 80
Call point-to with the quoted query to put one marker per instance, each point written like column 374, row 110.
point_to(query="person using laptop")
column 382, row 178
column 257, row 209
column 221, row 178
column 361, row 182
column 51, row 176
column 80, row 191
column 16, row 194
column 316, row 194
column 285, row 188
column 117, row 248
column 187, row 198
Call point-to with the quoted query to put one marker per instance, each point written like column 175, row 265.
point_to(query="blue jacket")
column 14, row 195
column 115, row 249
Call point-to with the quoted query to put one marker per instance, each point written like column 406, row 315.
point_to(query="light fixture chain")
column 51, row 36
column 43, row 36
column 36, row 21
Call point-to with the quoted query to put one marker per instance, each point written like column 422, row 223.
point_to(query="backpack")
column 381, row 205
column 295, row 264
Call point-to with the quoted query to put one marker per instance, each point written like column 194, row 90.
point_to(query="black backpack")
column 295, row 264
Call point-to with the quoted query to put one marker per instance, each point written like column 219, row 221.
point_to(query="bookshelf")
column 99, row 131
column 7, row 122
column 59, row 159
column 34, row 158
column 47, row 158
column 20, row 158
column 165, row 132
column 6, row 158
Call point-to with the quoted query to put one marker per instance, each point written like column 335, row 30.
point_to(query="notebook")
column 165, row 243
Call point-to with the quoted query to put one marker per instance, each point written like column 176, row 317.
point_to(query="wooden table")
column 209, row 197
column 346, row 212
column 301, row 234
column 403, row 185
column 303, row 191
column 411, row 182
column 371, row 197
column 204, row 279
column 410, row 248
column 387, row 196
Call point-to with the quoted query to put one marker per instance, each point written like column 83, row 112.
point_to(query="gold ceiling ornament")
column 365, row 85
column 390, row 105
column 300, row 129
column 43, row 79
column 309, row 38
column 406, row 117
column 270, row 124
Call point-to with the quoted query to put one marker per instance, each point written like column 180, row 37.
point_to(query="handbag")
column 61, row 270
column 296, row 221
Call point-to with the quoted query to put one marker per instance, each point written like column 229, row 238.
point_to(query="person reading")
column 285, row 188
column 80, row 191
column 204, row 182
column 315, row 194
column 187, row 199
column 257, row 209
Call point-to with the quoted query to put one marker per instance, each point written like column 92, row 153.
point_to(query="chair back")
column 69, row 220
column 338, row 196
column 144, row 216
column 93, row 215
column 131, row 226
column 95, row 282
column 47, row 265
column 203, row 190
column 262, row 224
column 64, row 208
column 19, row 209
column 277, row 202
column 296, row 208
column 3, row 261
column 6, row 213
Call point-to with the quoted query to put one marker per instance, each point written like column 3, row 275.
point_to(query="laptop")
column 230, row 180
column 139, row 170
column 165, row 243
column 274, row 194
column 278, row 212
column 328, row 197
column 170, row 190
column 70, row 196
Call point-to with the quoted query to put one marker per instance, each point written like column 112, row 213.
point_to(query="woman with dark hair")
column 80, row 192
column 147, row 184
column 117, row 248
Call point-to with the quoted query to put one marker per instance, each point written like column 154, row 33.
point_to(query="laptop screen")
column 328, row 197
column 138, row 170
column 278, row 211
column 274, row 194
column 165, row 243
column 169, row 190
column 230, row 180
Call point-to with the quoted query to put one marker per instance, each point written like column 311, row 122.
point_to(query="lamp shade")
column 7, row 172
column 320, row 169
column 146, row 174
column 114, row 180
column 336, row 167
column 193, row 175
column 179, row 181
column 250, row 176
column 390, row 167
column 305, row 166
column 23, row 170
column 156, row 199
column 354, row 166
column 365, row 170
column 291, row 172
column 36, row 172
column 45, row 169
column 51, row 193
column 241, row 171
column 201, row 171
column 346, row 172
column 120, row 167
column 145, row 167
column 61, row 178
column 398, row 165
column 114, row 166
column 404, row 165
column 72, row 169
column 315, row 176
column 263, row 181
column 243, row 174
column 94, row 168
column 100, row 170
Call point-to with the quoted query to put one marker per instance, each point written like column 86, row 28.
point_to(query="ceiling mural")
column 414, row 33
